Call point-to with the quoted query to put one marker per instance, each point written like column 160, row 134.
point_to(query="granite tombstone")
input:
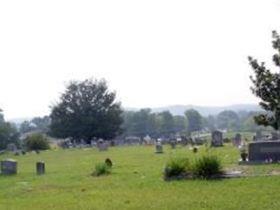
column 8, row 167
column 237, row 140
column 217, row 139
column 159, row 148
column 264, row 151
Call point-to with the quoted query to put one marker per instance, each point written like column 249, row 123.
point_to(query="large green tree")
column 139, row 123
column 266, row 86
column 195, row 120
column 166, row 122
column 87, row 109
column 8, row 133
column 228, row 120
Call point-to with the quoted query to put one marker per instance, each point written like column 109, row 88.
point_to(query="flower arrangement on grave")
column 243, row 151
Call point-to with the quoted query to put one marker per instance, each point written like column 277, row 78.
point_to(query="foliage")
column 42, row 123
column 180, row 123
column 210, row 123
column 194, row 120
column 87, row 109
column 266, row 86
column 226, row 140
column 164, row 124
column 177, row 167
column 207, row 166
column 140, row 123
column 36, row 141
column 25, row 127
column 109, row 162
column 38, row 124
column 195, row 149
column 8, row 133
column 228, row 120
column 144, row 122
column 101, row 169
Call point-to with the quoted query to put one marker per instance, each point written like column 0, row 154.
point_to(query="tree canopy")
column 8, row 133
column 195, row 120
column 228, row 120
column 86, row 110
column 266, row 86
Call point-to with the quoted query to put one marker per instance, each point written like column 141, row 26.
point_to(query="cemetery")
column 135, row 177
column 211, row 147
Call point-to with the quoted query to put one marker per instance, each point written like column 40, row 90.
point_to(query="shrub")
column 101, row 169
column 195, row 150
column 177, row 167
column 227, row 140
column 207, row 167
column 108, row 162
column 36, row 142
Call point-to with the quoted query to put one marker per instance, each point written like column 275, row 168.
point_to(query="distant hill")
column 204, row 110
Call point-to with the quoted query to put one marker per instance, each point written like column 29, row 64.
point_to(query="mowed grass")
column 135, row 183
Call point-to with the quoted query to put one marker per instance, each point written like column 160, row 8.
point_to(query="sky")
column 152, row 53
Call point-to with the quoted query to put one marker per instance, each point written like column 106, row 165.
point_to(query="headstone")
column 147, row 140
column 217, row 139
column 11, row 147
column 8, row 167
column 173, row 144
column 237, row 140
column 159, row 148
column 40, row 168
column 102, row 145
column 264, row 151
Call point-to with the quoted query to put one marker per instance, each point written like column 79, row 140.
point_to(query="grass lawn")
column 135, row 183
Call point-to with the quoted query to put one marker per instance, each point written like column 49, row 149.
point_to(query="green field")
column 135, row 183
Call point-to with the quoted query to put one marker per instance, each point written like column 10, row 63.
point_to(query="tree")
column 8, row 133
column 180, row 123
column 42, row 123
column 194, row 120
column 38, row 124
column 210, row 122
column 228, row 120
column 166, row 122
column 36, row 141
column 140, row 123
column 266, row 86
column 87, row 109
column 25, row 127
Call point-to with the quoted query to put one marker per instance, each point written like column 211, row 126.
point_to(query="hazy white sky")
column 153, row 53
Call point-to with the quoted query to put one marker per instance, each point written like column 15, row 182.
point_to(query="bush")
column 207, row 167
column 36, row 142
column 108, row 162
column 177, row 167
column 101, row 169
column 227, row 140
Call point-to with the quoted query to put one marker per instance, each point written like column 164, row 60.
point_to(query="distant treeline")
column 144, row 122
